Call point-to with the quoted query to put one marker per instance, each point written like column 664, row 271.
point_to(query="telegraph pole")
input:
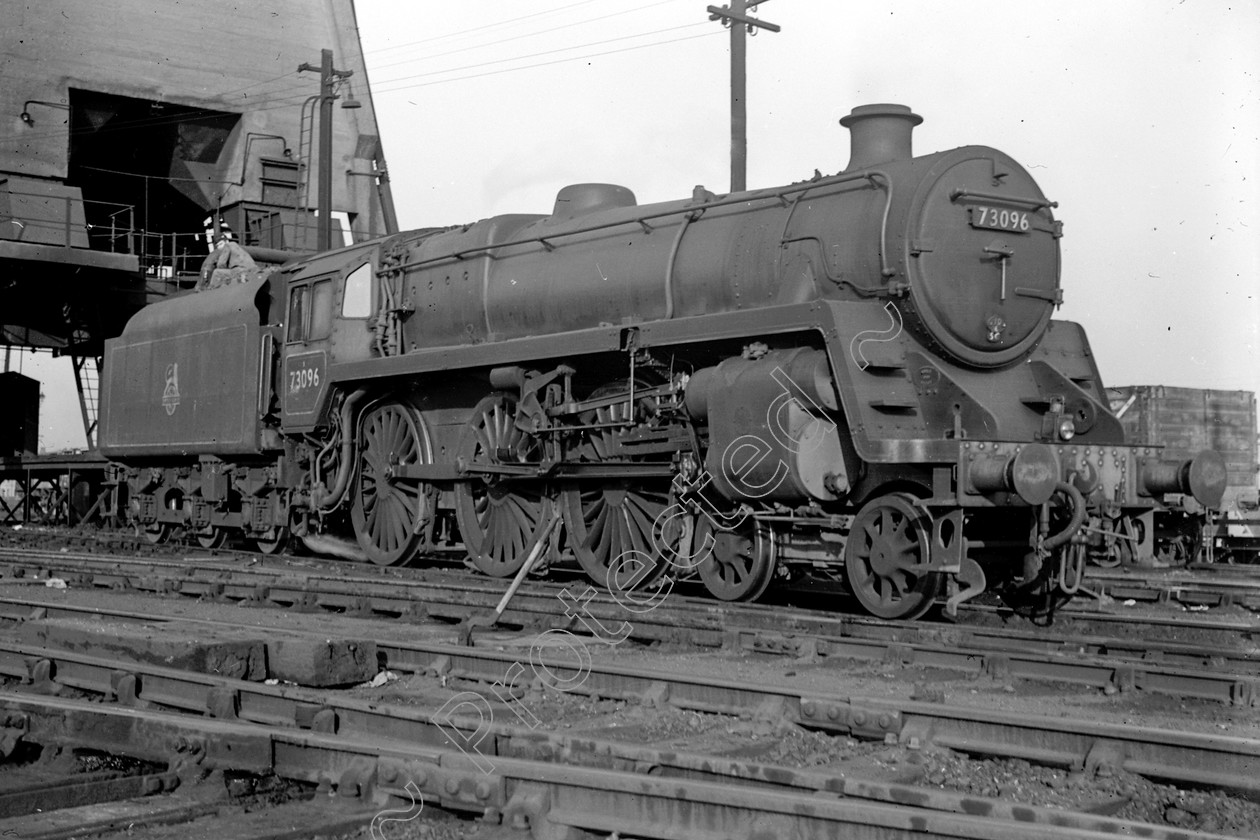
column 327, row 81
column 735, row 17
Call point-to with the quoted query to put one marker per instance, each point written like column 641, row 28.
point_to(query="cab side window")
column 321, row 310
column 357, row 300
column 299, row 303
column 310, row 311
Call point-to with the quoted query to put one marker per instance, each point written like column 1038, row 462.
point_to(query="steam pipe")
column 349, row 438
column 669, row 265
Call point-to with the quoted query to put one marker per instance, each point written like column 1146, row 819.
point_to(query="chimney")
column 879, row 134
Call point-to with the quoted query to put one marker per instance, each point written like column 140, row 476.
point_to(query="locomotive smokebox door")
column 983, row 260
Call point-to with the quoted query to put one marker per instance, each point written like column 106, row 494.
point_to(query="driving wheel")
column 614, row 521
column 389, row 513
column 499, row 514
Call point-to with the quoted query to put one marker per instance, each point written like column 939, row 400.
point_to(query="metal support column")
column 328, row 77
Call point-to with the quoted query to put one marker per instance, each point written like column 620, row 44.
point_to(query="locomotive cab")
column 329, row 305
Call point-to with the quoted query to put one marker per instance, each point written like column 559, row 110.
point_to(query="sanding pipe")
column 535, row 554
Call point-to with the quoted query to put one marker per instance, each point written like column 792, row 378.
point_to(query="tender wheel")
column 741, row 563
column 272, row 541
column 211, row 538
column 499, row 519
column 157, row 532
column 160, row 532
column 389, row 513
column 884, row 557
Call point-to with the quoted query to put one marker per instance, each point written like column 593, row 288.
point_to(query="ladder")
column 87, row 380
column 306, row 139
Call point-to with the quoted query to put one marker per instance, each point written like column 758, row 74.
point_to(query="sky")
column 1141, row 118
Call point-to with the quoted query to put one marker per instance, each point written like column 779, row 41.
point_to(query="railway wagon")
column 1183, row 421
column 855, row 377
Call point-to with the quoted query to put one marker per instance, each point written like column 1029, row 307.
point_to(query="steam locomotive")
column 854, row 377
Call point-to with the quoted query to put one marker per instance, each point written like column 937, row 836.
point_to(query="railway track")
column 1221, row 665
column 159, row 714
column 1184, row 759
column 556, row 767
column 548, row 798
column 61, row 801
column 119, row 570
column 1197, row 589
column 1201, row 587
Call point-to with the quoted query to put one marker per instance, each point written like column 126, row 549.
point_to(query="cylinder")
column 771, row 432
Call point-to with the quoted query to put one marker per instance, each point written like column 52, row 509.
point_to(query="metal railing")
column 170, row 254
column 35, row 219
column 116, row 231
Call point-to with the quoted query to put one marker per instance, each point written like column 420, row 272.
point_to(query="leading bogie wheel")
column 388, row 512
column 738, row 563
column 499, row 518
column 885, row 556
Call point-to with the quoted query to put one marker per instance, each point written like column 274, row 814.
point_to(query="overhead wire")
column 282, row 99
column 385, row 82
column 488, row 44
column 453, row 35
column 549, row 63
column 501, row 41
